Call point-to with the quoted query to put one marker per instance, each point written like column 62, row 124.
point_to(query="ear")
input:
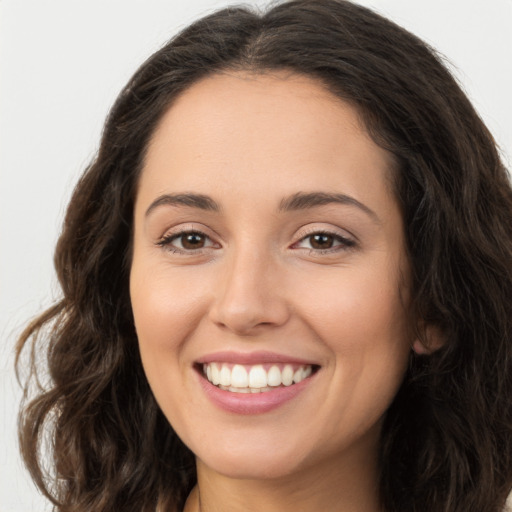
column 431, row 340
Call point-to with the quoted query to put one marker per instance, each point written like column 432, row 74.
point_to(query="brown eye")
column 191, row 241
column 321, row 241
column 186, row 242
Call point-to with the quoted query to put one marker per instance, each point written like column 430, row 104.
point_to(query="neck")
column 330, row 486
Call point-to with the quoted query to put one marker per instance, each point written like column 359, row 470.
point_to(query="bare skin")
column 309, row 491
column 265, row 223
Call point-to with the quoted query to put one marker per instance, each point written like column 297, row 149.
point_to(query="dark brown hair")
column 447, row 438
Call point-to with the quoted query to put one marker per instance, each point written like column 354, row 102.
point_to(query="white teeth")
column 287, row 375
column 215, row 374
column 225, row 376
column 239, row 377
column 254, row 379
column 257, row 377
column 274, row 376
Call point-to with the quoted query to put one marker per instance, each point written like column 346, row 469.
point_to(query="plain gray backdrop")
column 62, row 63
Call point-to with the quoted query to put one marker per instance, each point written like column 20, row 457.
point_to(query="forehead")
column 279, row 127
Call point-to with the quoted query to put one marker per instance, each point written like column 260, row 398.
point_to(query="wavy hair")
column 446, row 442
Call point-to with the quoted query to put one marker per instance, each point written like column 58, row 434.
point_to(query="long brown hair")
column 447, row 438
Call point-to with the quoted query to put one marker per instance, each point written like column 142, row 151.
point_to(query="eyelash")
column 345, row 243
column 167, row 240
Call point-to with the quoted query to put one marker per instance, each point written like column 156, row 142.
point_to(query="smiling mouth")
column 257, row 378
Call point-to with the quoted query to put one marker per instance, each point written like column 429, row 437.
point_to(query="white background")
column 63, row 63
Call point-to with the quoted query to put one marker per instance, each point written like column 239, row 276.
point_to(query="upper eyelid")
column 300, row 233
column 191, row 227
column 309, row 230
column 344, row 243
column 178, row 234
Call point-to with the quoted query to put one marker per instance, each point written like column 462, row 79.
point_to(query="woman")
column 286, row 282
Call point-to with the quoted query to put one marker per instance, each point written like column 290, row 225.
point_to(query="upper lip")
column 248, row 358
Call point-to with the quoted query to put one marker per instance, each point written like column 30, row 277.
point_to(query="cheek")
column 167, row 309
column 355, row 309
column 165, row 305
column 361, row 318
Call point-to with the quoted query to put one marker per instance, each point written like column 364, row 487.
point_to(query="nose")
column 250, row 295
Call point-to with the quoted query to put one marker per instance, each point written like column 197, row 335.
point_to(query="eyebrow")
column 298, row 201
column 191, row 200
column 303, row 201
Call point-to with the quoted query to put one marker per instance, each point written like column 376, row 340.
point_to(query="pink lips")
column 251, row 403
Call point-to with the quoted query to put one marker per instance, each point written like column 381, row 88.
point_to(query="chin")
column 253, row 465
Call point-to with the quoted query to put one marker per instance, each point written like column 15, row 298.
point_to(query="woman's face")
column 269, row 254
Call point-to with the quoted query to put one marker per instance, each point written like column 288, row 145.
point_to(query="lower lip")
column 252, row 403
